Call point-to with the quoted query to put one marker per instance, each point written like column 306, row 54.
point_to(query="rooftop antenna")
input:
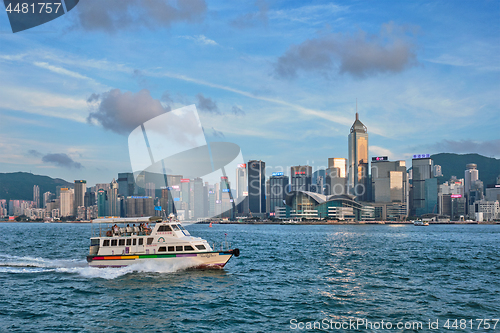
column 357, row 116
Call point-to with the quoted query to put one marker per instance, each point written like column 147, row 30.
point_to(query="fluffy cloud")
column 206, row 104
column 61, row 160
column 113, row 15
column 359, row 55
column 122, row 112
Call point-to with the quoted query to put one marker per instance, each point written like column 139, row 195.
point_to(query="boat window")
column 114, row 242
column 200, row 247
column 162, row 249
column 184, row 230
column 171, row 249
column 164, row 228
column 134, row 241
column 141, row 241
column 121, row 242
column 150, row 241
column 175, row 227
column 94, row 242
column 129, row 242
column 188, row 248
column 105, row 242
column 178, row 248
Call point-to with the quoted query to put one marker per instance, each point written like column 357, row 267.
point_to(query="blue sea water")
column 287, row 276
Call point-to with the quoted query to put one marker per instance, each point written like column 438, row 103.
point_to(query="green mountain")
column 19, row 185
column 454, row 165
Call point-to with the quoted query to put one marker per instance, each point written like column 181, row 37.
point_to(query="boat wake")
column 30, row 265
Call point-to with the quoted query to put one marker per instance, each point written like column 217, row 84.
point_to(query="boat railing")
column 111, row 233
column 222, row 246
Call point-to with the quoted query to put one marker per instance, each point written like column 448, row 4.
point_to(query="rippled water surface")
column 284, row 272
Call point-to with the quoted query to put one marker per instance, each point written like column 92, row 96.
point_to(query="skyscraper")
column 66, row 202
column 256, row 186
column 422, row 186
column 358, row 160
column 301, row 176
column 336, row 176
column 113, row 209
column 471, row 175
column 80, row 189
column 278, row 184
column 36, row 196
column 126, row 184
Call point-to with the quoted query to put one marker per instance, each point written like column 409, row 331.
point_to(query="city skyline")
column 425, row 82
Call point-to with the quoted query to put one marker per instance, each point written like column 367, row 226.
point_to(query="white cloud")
column 200, row 39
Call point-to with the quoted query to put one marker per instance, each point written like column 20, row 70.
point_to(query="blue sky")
column 278, row 78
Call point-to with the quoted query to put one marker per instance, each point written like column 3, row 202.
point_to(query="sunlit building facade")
column 358, row 161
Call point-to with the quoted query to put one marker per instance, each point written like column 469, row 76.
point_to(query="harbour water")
column 286, row 277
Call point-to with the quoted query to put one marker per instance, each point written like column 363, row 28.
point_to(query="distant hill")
column 454, row 165
column 19, row 185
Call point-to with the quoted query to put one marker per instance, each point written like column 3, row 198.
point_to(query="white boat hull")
column 197, row 260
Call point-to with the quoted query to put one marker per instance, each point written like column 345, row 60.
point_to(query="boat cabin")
column 143, row 235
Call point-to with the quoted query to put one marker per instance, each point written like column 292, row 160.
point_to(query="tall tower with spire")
column 358, row 160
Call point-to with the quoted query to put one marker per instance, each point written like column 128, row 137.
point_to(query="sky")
column 281, row 79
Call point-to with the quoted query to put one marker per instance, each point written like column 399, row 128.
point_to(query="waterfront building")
column 389, row 182
column 256, row 171
column 80, row 188
column 36, row 196
column 66, row 202
column 486, row 210
column 493, row 192
column 301, row 177
column 422, row 169
column 310, row 205
column 278, row 187
column 358, row 160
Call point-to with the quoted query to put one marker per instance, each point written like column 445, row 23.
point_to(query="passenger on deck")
column 148, row 231
column 128, row 230
column 116, row 229
column 136, row 230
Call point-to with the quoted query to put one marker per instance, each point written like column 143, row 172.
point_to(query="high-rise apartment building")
column 256, row 171
column 36, row 196
column 358, row 160
column 66, row 202
column 80, row 189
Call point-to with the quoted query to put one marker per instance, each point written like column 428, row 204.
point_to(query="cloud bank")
column 359, row 55
column 122, row 112
column 114, row 15
column 61, row 160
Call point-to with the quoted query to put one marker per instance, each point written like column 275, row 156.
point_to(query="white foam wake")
column 24, row 265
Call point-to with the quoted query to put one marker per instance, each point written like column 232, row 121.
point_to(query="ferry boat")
column 420, row 223
column 126, row 241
